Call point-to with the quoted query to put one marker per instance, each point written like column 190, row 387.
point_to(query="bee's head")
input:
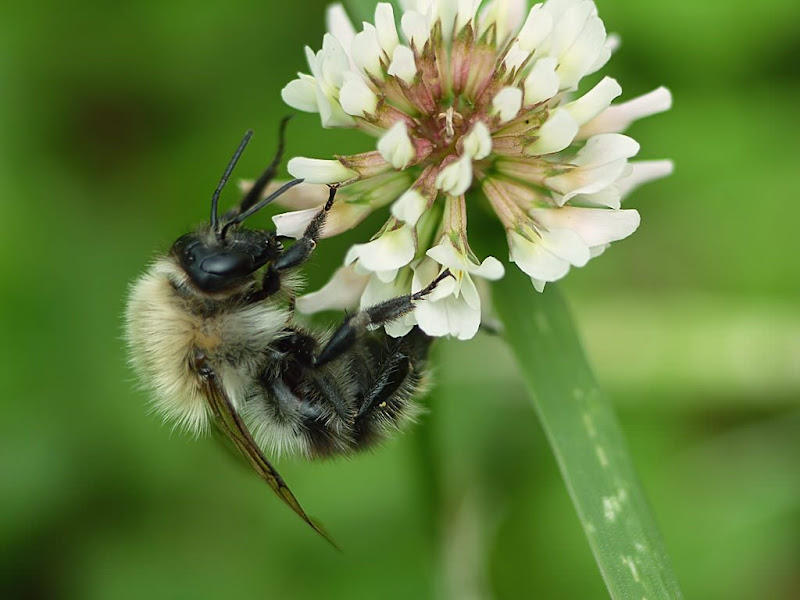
column 224, row 256
column 215, row 266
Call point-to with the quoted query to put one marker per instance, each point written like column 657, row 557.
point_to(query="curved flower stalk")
column 464, row 96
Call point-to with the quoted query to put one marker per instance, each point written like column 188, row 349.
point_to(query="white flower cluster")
column 469, row 95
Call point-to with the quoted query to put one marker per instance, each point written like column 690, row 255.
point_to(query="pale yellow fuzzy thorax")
column 163, row 334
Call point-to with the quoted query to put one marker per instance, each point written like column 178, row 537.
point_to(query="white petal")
column 506, row 15
column 332, row 61
column 330, row 112
column 469, row 292
column 301, row 93
column 448, row 316
column 392, row 250
column 385, row 26
column 491, row 269
column 342, row 292
column 444, row 11
column 456, row 177
column 643, row 172
column 416, row 28
column 478, row 142
column 570, row 18
column 536, row 28
column 446, row 255
column 356, row 97
column 542, row 82
column 299, row 197
column 586, row 181
column 409, row 207
column 606, row 148
column 595, row 226
column 378, row 291
column 577, row 40
column 446, row 287
column 566, row 244
column 595, row 101
column 538, row 284
column 396, row 147
column 400, row 327
column 311, row 59
column 602, row 58
column 387, row 276
column 338, row 23
column 613, row 42
column 367, row 51
column 600, row 163
column 583, row 54
column 442, row 313
column 535, row 260
column 555, row 134
column 403, row 64
column 342, row 217
column 618, row 118
column 609, row 196
column 293, row 224
column 515, row 57
column 314, row 170
column 507, row 103
column 425, row 271
column 466, row 13
column 421, row 6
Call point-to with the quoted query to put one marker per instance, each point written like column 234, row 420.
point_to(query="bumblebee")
column 212, row 334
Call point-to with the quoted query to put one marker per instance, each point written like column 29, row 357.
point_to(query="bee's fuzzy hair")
column 161, row 333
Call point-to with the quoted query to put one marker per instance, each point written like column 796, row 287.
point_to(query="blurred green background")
column 117, row 119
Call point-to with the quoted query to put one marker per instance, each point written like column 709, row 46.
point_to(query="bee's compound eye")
column 228, row 264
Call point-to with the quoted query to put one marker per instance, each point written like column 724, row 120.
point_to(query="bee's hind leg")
column 356, row 324
column 387, row 402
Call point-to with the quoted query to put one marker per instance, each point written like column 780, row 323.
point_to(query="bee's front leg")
column 301, row 250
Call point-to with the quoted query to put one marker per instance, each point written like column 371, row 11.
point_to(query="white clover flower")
column 454, row 307
column 464, row 99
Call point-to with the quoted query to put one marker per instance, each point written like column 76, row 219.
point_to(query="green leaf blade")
column 587, row 441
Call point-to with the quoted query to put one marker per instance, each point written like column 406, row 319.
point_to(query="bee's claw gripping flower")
column 464, row 94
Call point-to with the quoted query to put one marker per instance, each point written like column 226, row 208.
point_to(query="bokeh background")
column 116, row 121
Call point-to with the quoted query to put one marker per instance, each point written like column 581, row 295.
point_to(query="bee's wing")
column 232, row 425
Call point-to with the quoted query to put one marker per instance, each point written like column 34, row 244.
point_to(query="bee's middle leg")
column 358, row 323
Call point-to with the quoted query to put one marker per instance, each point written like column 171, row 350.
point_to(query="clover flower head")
column 469, row 96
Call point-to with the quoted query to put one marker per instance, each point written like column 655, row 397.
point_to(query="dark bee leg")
column 391, row 375
column 358, row 323
column 295, row 256
column 311, row 406
column 387, row 402
column 301, row 250
column 264, row 179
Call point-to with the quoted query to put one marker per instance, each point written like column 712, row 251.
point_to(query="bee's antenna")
column 269, row 173
column 258, row 206
column 228, row 170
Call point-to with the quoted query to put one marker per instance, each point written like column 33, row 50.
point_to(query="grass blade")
column 586, row 439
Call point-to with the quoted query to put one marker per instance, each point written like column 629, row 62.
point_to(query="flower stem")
column 587, row 441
